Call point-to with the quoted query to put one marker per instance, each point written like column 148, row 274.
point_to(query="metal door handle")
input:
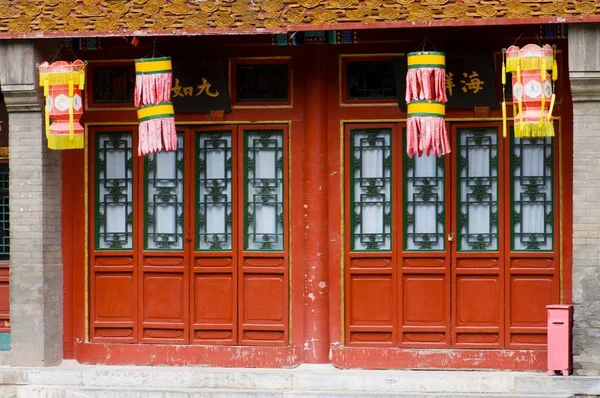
column 451, row 237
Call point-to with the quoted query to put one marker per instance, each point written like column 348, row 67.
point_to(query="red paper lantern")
column 62, row 83
column 533, row 89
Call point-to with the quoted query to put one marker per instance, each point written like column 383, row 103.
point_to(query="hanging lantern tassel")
column 153, row 81
column 426, row 129
column 157, row 129
column 426, row 76
column 503, row 94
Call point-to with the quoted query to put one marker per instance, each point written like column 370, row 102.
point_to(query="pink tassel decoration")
column 426, row 97
column 153, row 82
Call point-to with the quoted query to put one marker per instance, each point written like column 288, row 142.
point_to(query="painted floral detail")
column 419, row 13
column 356, row 14
column 518, row 10
column 323, row 15
column 61, row 11
column 341, row 3
column 193, row 22
column 224, row 21
column 47, row 24
column 31, row 10
column 90, row 11
column 586, row 7
column 161, row 22
column 135, row 23
column 240, row 8
column 272, row 5
column 455, row 10
column 309, row 3
column 295, row 17
column 389, row 13
column 119, row 9
column 273, row 22
column 486, row 11
column 209, row 6
column 21, row 25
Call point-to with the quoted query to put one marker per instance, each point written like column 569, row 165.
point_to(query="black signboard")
column 200, row 87
column 470, row 81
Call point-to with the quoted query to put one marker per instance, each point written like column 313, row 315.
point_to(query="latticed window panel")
column 164, row 216
column 424, row 201
column 532, row 219
column 264, row 190
column 4, row 214
column 370, row 80
column 371, row 189
column 114, row 191
column 214, row 191
column 478, row 190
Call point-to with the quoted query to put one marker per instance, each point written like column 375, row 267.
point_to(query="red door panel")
column 214, row 301
column 164, row 303
column 113, row 297
column 424, row 303
column 4, row 299
column 263, row 304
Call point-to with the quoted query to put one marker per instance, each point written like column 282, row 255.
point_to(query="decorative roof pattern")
column 45, row 18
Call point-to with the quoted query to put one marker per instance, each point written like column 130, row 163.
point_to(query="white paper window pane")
column 264, row 181
column 214, row 190
column 371, row 189
column 164, row 199
column 114, row 191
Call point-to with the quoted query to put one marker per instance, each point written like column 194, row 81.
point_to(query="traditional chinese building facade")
column 290, row 226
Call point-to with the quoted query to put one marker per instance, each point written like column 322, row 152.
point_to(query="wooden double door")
column 190, row 246
column 457, row 251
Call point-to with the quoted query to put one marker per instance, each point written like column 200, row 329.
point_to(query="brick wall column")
column 36, row 289
column 584, row 73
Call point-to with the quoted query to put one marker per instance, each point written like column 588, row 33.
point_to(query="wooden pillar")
column 315, row 204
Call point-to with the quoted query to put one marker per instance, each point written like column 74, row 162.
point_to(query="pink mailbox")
column 560, row 319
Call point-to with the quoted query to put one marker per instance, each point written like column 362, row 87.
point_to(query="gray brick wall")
column 584, row 73
column 35, row 211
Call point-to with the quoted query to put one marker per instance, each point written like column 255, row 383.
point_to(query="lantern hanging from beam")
column 152, row 97
column 533, row 89
column 62, row 83
column 426, row 98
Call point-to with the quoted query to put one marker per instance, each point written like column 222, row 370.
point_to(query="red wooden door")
column 464, row 252
column 190, row 246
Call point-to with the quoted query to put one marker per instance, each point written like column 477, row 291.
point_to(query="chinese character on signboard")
column 200, row 87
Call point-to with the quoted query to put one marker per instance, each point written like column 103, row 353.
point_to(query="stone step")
column 82, row 392
column 81, row 381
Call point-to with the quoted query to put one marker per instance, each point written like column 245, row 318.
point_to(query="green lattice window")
column 532, row 167
column 478, row 190
column 164, row 173
column 371, row 189
column 4, row 214
column 424, row 214
column 264, row 190
column 114, row 191
column 214, row 191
